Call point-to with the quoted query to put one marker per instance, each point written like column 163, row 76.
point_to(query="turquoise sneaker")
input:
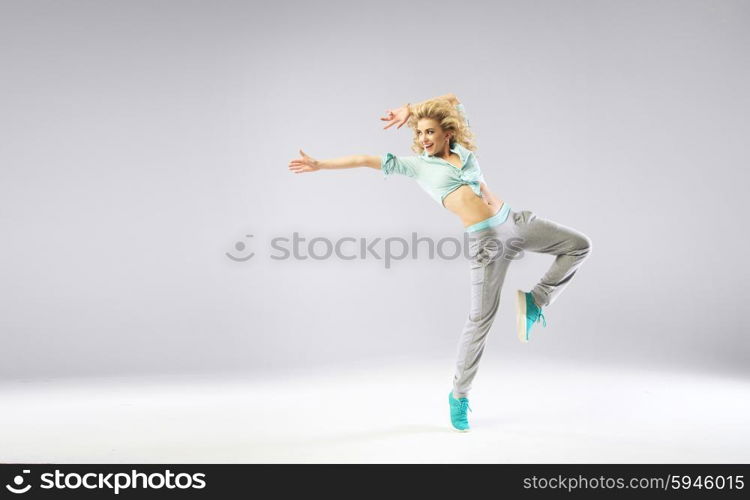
column 528, row 313
column 458, row 412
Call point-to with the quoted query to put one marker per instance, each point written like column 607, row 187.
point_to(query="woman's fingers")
column 395, row 119
column 303, row 164
column 388, row 115
column 299, row 164
column 299, row 168
column 302, row 161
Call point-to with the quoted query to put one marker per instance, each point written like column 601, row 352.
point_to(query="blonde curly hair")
column 449, row 118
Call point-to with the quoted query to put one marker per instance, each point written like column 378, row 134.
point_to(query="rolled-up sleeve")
column 404, row 165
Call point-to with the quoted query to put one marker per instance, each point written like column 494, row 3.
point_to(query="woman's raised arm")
column 309, row 164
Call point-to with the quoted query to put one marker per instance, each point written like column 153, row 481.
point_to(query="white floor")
column 393, row 413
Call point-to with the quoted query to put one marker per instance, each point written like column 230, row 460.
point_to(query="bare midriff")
column 471, row 208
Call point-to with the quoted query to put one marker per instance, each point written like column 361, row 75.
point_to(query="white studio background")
column 142, row 140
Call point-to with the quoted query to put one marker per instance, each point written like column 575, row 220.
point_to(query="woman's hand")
column 304, row 164
column 396, row 116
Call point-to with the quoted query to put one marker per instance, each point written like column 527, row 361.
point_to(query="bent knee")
column 581, row 246
column 584, row 245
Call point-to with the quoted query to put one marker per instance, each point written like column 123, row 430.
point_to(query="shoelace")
column 539, row 315
column 544, row 320
column 463, row 404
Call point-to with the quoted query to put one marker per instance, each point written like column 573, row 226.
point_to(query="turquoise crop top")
column 436, row 175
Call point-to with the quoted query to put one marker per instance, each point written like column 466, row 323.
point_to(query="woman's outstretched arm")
column 306, row 163
column 398, row 116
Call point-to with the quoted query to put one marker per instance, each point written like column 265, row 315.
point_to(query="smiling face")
column 434, row 140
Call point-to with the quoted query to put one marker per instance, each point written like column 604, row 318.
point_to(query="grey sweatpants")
column 491, row 252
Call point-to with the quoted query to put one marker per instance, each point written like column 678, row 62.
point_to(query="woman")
column 449, row 171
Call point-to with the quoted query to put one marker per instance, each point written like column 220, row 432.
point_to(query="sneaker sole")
column 521, row 316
